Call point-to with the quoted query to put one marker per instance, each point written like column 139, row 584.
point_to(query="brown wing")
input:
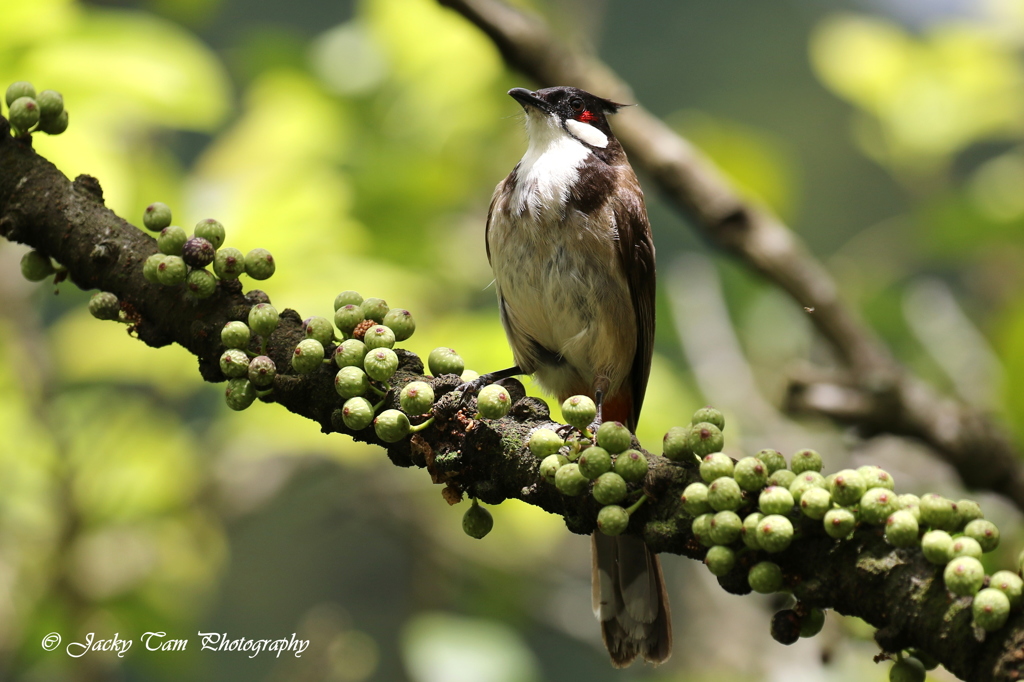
column 507, row 184
column 636, row 255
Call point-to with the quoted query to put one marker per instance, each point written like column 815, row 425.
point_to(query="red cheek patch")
column 586, row 116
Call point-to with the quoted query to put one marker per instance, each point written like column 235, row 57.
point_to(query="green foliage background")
column 359, row 142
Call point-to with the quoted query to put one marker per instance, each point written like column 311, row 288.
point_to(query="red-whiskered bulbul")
column 570, row 245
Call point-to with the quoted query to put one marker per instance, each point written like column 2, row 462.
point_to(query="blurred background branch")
column 883, row 397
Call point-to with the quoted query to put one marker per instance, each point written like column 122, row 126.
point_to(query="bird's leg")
column 600, row 389
column 473, row 387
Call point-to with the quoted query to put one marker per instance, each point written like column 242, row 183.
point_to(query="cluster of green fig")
column 758, row 503
column 30, row 112
column 184, row 260
column 600, row 463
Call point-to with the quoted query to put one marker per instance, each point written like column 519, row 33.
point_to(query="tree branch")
column 897, row 402
column 895, row 590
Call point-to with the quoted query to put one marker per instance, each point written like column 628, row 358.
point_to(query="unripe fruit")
column 910, row 503
column 1010, row 584
column 805, row 460
column 157, row 216
column 319, row 328
column 416, row 398
column 19, row 89
column 709, row 415
column 229, row 263
column 937, row 546
column 104, row 305
column 963, row 576
column 400, row 321
column 594, row 461
column 259, row 264
column 198, row 252
column 263, row 319
column 445, row 361
column 210, row 230
column 612, row 520
column 234, row 363
column 938, row 512
column 348, row 297
column 749, row 531
column 724, row 494
column 812, row 623
column 493, row 401
column 967, row 511
column 609, row 488
column 262, row 371
column 375, row 309
column 350, row 353
column 550, row 465
column 357, row 413
column 171, row 271
column 705, row 438
column 579, row 411
column 347, row 317
column 150, row 268
column 774, row 533
column 701, row 529
column 308, row 356
column 477, row 521
column 239, row 394
column 171, row 240
column 804, row 482
column 876, row 477
column 765, row 577
column 773, row 459
column 201, row 283
column 966, row 546
column 544, row 442
column 380, row 364
column 783, row 478
column 785, row 626
column 907, row 669
column 675, row 445
column 751, row 473
column 720, row 560
column 56, row 125
column 614, row 437
column 839, row 523
column 815, row 503
column 350, row 382
column 631, row 465
column 774, row 500
column 571, row 482
column 877, row 504
column 391, row 425
column 991, row 608
column 716, row 465
column 235, row 335
column 725, row 527
column 901, row 529
column 379, row 336
column 847, row 487
column 695, row 499
column 24, row 113
column 984, row 532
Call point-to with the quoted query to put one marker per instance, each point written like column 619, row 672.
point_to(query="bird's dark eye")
column 576, row 103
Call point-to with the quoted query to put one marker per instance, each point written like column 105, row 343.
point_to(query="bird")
column 570, row 246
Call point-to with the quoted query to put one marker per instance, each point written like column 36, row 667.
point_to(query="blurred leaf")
column 441, row 647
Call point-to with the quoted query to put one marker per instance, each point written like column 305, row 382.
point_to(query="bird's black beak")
column 529, row 99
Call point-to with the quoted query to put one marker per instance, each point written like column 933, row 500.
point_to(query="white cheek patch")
column 587, row 133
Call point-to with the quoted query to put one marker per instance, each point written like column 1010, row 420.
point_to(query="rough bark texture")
column 883, row 396
column 894, row 590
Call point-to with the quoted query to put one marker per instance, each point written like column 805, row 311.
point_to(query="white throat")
column 550, row 165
